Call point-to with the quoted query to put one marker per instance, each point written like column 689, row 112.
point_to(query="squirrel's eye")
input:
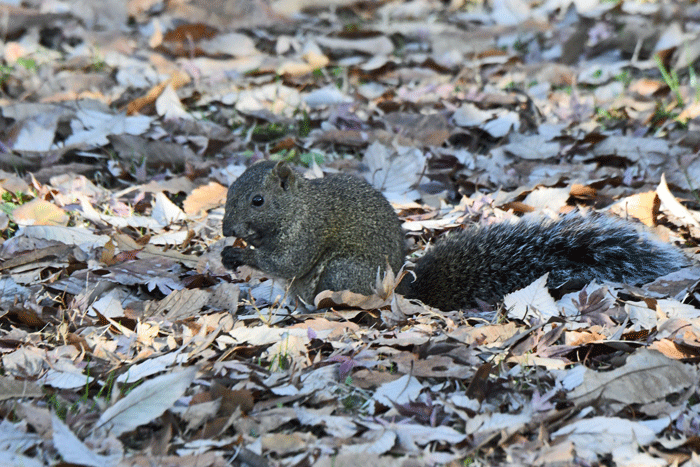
column 257, row 201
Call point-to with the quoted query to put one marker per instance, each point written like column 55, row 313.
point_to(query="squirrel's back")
column 489, row 262
column 356, row 219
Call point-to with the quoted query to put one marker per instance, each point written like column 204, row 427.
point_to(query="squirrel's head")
column 260, row 201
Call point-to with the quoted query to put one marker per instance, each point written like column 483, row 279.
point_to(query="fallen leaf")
column 75, row 451
column 39, row 212
column 11, row 388
column 653, row 375
column 641, row 206
column 602, row 435
column 204, row 198
column 533, row 300
column 146, row 402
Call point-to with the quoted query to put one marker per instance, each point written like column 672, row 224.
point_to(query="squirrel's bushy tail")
column 489, row 262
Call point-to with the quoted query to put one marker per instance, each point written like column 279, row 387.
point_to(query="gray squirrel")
column 336, row 233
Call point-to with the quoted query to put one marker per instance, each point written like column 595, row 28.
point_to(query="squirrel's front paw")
column 232, row 257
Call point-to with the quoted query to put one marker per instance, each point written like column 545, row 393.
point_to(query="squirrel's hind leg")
column 347, row 273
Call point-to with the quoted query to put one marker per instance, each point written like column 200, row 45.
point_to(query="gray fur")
column 490, row 262
column 332, row 233
column 337, row 232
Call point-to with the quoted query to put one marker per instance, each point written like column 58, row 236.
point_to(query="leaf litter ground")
column 125, row 342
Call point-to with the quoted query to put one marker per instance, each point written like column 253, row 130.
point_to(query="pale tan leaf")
column 403, row 390
column 199, row 413
column 378, row 442
column 165, row 212
column 67, row 235
column 602, row 435
column 412, row 435
column 39, row 212
column 233, row 44
column 379, row 45
column 66, row 379
column 673, row 205
column 149, row 367
column 340, row 427
column 168, row 105
column 181, row 304
column 325, row 329
column 75, row 451
column 489, row 334
column 553, row 199
column 147, row 402
column 533, row 300
column 12, row 388
column 490, row 422
column 652, row 375
column 225, row 297
column 282, row 443
column 534, row 147
column 641, row 206
column 329, row 298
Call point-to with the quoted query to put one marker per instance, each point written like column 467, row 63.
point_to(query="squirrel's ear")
column 285, row 174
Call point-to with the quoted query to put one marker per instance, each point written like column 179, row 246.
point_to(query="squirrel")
column 337, row 232
column 331, row 233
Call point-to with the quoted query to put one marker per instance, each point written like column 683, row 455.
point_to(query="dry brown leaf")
column 674, row 350
column 231, row 400
column 645, row 87
column 435, row 366
column 583, row 191
column 484, row 335
column 204, row 198
column 181, row 304
column 366, row 379
column 38, row 418
column 478, row 385
column 345, row 298
column 641, row 206
column 177, row 79
column 200, row 412
column 182, row 40
column 225, row 297
column 57, row 253
column 281, row 443
column 337, row 329
column 11, row 388
column 653, row 375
